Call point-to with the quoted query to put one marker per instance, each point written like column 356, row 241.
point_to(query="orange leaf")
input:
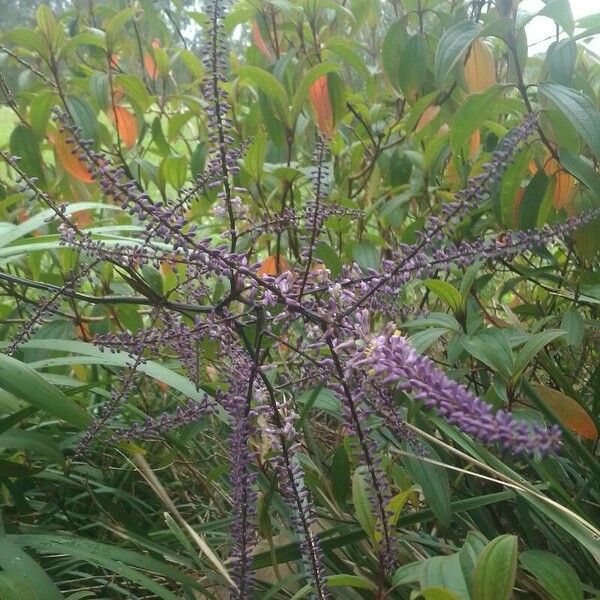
column 563, row 190
column 564, row 183
column 125, row 124
column 479, row 68
column 70, row 162
column 321, row 105
column 150, row 66
column 259, row 41
column 474, row 144
column 568, row 411
column 273, row 266
column 83, row 218
column 149, row 62
column 429, row 114
column 114, row 61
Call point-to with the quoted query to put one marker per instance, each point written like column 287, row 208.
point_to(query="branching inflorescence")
column 328, row 326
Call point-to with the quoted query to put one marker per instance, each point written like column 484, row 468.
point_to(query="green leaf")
column 269, row 85
column 452, row 45
column 446, row 292
column 135, row 90
column 560, row 12
column 255, row 155
column 115, row 24
column 473, row 546
column 126, row 563
column 572, row 323
column 174, row 169
column 12, row 586
column 345, row 49
column 422, row 340
column 578, row 109
column 340, row 474
column 28, row 39
column 409, row 573
column 534, row 344
column 84, row 116
column 391, row 51
column 412, row 65
column 436, row 593
column 433, row 480
column 311, row 76
column 354, row 581
column 18, row 565
column 362, row 504
column 329, row 256
column 24, row 143
column 556, row 576
column 445, row 572
column 582, row 169
column 492, row 349
column 561, row 59
column 366, row 255
column 471, row 115
column 31, row 441
column 23, row 382
column 496, row 568
column 39, row 111
column 532, row 200
column 85, row 353
column 41, row 218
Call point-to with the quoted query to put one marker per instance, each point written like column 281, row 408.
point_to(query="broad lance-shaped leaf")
column 578, row 109
column 495, row 570
column 452, row 46
column 23, row 382
column 269, row 85
column 556, row 576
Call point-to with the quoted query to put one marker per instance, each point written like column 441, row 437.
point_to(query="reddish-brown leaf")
column 568, row 411
column 321, row 105
column 126, row 125
column 68, row 159
column 259, row 41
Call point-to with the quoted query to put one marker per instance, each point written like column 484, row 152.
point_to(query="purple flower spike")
column 391, row 358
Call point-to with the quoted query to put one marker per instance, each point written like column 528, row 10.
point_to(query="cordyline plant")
column 340, row 333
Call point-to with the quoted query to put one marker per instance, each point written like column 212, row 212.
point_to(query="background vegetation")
column 410, row 98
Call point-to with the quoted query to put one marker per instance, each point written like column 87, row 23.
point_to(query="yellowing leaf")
column 479, row 68
column 568, row 411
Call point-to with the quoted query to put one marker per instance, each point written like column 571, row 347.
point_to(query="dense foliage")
column 300, row 299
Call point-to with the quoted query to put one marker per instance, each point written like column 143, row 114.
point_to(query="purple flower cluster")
column 390, row 358
column 155, row 427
